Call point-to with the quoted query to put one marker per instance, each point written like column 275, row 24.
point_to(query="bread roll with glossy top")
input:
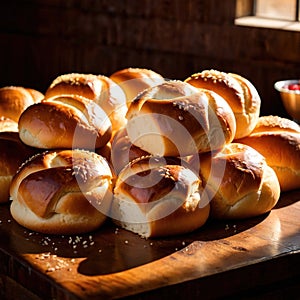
column 177, row 119
column 15, row 99
column 12, row 154
column 238, row 91
column 156, row 196
column 65, row 122
column 239, row 182
column 123, row 151
column 62, row 192
column 135, row 80
column 278, row 140
column 99, row 88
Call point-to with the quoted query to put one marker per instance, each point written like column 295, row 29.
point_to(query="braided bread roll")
column 62, row 192
column 177, row 119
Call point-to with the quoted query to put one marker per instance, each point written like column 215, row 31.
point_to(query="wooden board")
column 221, row 258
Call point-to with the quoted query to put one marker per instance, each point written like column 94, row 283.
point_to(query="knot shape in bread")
column 248, row 187
column 156, row 196
column 66, row 191
column 177, row 119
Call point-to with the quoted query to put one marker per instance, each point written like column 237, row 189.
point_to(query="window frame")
column 245, row 16
column 296, row 16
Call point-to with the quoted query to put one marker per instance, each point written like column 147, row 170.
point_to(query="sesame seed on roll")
column 156, row 196
column 62, row 192
column 99, row 88
column 278, row 140
column 177, row 119
column 238, row 91
column 65, row 122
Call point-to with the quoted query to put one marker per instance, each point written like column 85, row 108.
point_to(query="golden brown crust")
column 278, row 140
column 239, row 181
column 221, row 83
column 85, row 85
column 99, row 88
column 13, row 101
column 36, row 95
column 156, row 196
column 239, row 92
column 275, row 124
column 62, row 192
column 135, row 80
column 65, row 122
column 177, row 119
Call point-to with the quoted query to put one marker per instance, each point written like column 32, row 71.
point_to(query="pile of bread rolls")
column 157, row 157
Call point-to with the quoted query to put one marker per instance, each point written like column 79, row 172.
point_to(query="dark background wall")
column 41, row 39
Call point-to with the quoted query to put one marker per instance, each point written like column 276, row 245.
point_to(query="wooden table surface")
column 220, row 259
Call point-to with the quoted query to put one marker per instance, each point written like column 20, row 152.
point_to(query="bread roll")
column 135, row 80
column 65, row 122
column 36, row 95
column 14, row 100
column 278, row 140
column 7, row 124
column 156, row 196
column 239, row 182
column 123, row 151
column 101, row 89
column 239, row 92
column 177, row 119
column 12, row 154
column 62, row 192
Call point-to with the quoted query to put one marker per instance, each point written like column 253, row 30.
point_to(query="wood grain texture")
column 174, row 38
column 114, row 263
